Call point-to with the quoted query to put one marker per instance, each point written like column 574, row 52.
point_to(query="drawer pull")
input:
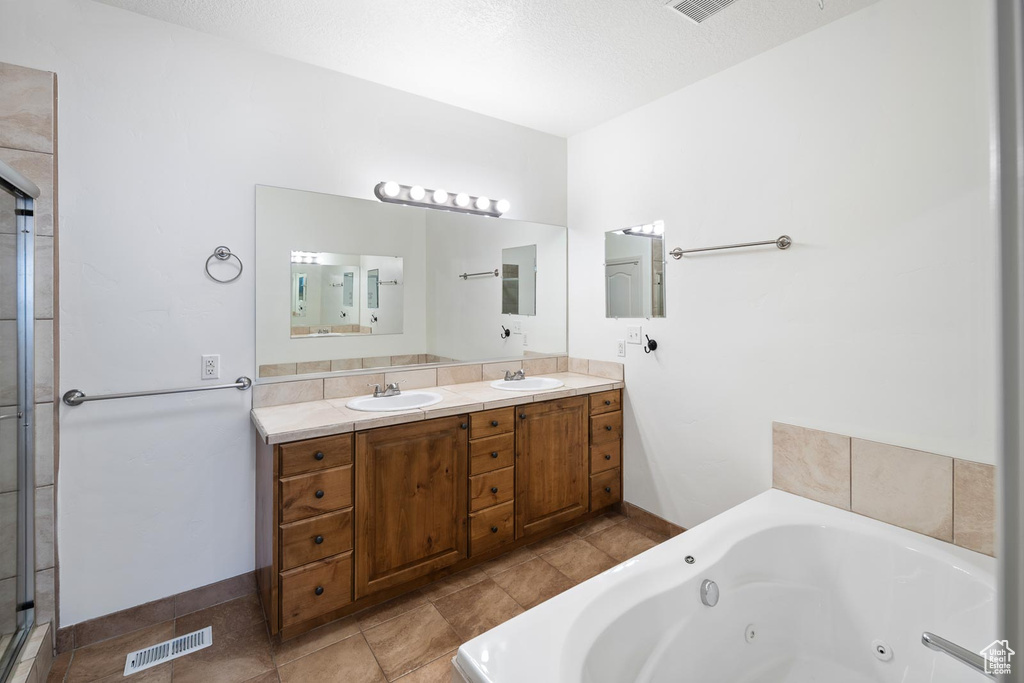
column 464, row 426
column 494, row 454
column 319, row 493
column 607, row 489
column 318, row 540
column 607, row 403
column 608, row 428
column 319, row 455
column 319, row 590
column 607, row 457
column 494, row 529
column 494, row 489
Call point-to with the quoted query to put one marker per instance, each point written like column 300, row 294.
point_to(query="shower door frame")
column 25, row 527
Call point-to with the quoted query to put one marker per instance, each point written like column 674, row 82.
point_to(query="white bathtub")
column 816, row 585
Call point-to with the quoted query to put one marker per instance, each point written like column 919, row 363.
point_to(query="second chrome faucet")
column 390, row 390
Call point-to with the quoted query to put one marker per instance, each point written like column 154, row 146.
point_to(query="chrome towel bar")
column 783, row 242
column 77, row 397
column 493, row 273
column 961, row 654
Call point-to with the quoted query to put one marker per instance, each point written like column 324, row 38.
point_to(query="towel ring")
column 223, row 254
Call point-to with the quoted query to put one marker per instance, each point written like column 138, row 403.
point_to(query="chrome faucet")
column 513, row 377
column 390, row 390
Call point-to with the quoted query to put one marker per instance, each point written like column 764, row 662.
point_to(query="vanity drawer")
column 492, row 453
column 607, row 427
column 315, row 589
column 312, row 494
column 605, row 402
column 491, row 488
column 605, row 456
column 491, row 528
column 605, row 489
column 316, row 454
column 491, row 422
column 316, row 538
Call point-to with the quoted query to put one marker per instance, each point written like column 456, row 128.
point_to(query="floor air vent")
column 149, row 657
column 699, row 10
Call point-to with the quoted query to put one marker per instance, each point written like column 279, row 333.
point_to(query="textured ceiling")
column 559, row 66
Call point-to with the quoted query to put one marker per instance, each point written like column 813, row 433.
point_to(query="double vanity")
column 355, row 506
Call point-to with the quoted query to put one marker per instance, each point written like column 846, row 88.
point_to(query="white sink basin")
column 528, row 384
column 407, row 400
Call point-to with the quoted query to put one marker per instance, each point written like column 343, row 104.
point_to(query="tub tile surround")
column 279, row 417
column 28, row 143
column 946, row 498
column 412, row 637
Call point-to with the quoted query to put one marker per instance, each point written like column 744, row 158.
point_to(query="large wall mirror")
column 634, row 272
column 346, row 284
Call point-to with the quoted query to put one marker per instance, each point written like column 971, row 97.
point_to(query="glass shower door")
column 16, row 402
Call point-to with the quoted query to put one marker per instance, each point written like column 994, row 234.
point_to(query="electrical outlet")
column 517, row 327
column 524, row 339
column 633, row 333
column 211, row 367
column 621, row 347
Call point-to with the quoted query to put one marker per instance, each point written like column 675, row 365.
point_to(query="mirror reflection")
column 519, row 280
column 326, row 294
column 365, row 284
column 634, row 272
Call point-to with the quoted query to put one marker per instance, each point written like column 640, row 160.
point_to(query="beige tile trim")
column 946, row 498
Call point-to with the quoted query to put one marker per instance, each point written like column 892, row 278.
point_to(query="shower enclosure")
column 17, row 474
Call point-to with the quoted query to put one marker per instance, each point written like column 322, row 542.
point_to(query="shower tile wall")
column 28, row 143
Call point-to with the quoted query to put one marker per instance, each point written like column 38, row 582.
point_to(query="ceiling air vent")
column 699, row 10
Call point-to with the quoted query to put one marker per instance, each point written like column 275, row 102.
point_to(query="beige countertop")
column 310, row 419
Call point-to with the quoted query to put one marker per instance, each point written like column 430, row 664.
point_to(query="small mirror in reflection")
column 519, row 280
column 634, row 272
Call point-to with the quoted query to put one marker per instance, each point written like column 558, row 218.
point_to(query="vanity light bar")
column 417, row 195
column 305, row 257
column 655, row 229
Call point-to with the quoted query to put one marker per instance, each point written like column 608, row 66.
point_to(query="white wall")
column 867, row 141
column 163, row 134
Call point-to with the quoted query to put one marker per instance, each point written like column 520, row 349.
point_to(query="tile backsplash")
column 343, row 386
column 946, row 498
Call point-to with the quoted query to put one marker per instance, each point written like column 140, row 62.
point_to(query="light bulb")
column 659, row 228
column 483, row 203
column 503, row 206
column 647, row 229
column 440, row 197
column 416, row 193
column 462, row 200
column 391, row 188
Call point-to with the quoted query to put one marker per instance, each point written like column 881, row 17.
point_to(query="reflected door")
column 622, row 289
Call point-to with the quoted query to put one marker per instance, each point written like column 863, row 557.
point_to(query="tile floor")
column 409, row 639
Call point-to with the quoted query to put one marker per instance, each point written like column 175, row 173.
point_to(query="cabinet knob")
column 494, row 489
column 608, row 428
column 319, row 455
column 607, row 457
column 319, row 493
column 494, row 454
column 522, row 416
column 494, row 529
column 319, row 590
column 464, row 426
column 494, row 423
column 318, row 540
column 607, row 402
column 607, row 489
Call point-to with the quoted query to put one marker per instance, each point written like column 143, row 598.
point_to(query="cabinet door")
column 551, row 464
column 411, row 505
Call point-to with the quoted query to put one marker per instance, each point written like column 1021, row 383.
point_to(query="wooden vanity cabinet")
column 344, row 522
column 410, row 506
column 552, row 464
